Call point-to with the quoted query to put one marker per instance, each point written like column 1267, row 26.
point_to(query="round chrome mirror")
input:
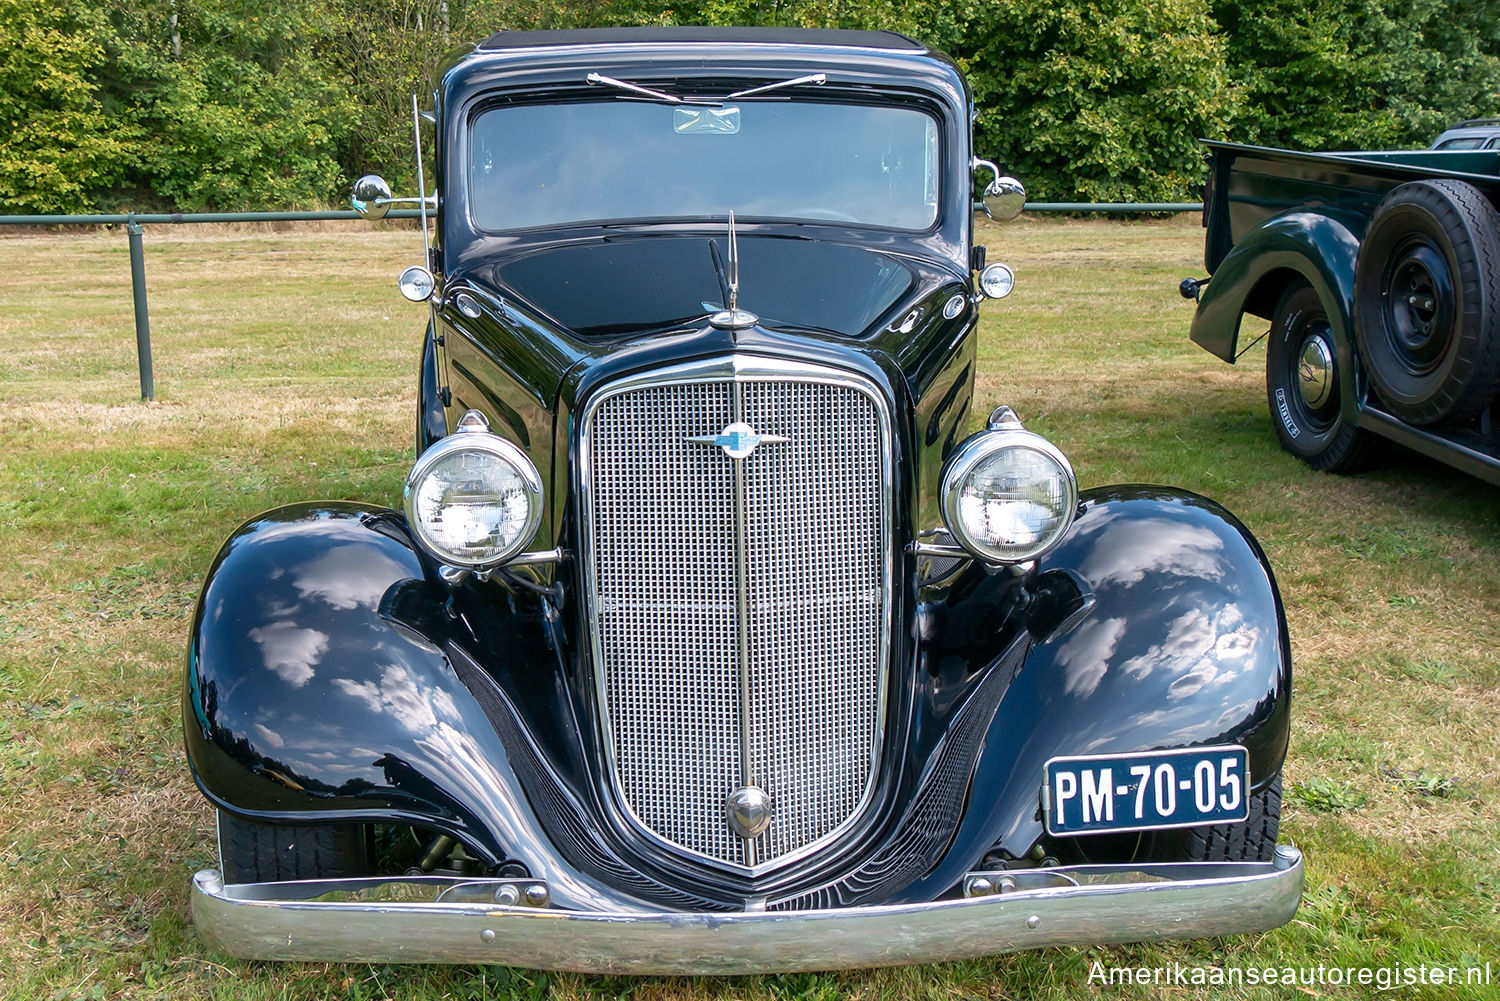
column 371, row 197
column 416, row 283
column 996, row 281
column 1004, row 199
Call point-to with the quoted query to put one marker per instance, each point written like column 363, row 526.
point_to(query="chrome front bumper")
column 436, row 920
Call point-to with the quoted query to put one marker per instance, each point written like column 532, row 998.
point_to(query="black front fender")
column 320, row 686
column 1186, row 645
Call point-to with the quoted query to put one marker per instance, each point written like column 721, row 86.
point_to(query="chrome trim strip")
column 738, row 368
column 284, row 921
column 742, row 583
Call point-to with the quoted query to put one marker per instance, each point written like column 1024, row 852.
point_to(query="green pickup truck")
column 1380, row 274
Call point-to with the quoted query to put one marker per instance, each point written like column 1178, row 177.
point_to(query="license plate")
column 1147, row 790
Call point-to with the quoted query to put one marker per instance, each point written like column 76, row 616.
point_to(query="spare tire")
column 1427, row 301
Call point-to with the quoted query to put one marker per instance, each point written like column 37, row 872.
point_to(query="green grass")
column 286, row 368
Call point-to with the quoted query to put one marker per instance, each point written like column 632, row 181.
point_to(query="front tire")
column 251, row 852
column 1303, row 387
column 1252, row 841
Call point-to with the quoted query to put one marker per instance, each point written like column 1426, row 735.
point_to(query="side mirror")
column 1004, row 197
column 371, row 197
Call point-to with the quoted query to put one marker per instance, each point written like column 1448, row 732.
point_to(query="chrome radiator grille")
column 739, row 604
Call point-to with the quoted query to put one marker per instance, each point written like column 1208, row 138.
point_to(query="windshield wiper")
column 816, row 79
column 634, row 88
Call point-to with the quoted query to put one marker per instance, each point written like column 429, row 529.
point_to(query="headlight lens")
column 474, row 500
column 1008, row 495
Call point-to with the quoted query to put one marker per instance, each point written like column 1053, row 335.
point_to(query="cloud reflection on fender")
column 349, row 576
column 1176, row 548
column 397, row 694
column 1187, row 640
column 289, row 650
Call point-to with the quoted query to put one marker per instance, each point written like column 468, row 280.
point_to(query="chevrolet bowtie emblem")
column 738, row 439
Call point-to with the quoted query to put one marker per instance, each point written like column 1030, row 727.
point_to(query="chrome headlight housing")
column 473, row 500
column 1008, row 495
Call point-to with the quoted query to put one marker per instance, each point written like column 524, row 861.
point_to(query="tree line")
column 259, row 104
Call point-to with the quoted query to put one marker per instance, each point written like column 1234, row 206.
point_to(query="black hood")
column 636, row 284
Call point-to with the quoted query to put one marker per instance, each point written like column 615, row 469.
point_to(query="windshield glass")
column 1463, row 142
column 549, row 164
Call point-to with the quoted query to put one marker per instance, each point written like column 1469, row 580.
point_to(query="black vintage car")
column 710, row 638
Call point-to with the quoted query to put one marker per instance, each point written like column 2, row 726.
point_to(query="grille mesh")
column 663, row 517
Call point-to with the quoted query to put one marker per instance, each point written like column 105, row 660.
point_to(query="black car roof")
column 690, row 35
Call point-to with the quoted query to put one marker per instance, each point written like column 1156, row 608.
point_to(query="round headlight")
column 474, row 499
column 1008, row 495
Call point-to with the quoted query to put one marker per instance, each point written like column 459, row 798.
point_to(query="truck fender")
column 1186, row 645
column 1319, row 247
column 320, row 687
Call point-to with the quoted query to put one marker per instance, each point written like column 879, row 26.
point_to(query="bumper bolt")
column 978, row 886
column 507, row 895
column 1033, row 921
column 487, row 936
column 536, row 895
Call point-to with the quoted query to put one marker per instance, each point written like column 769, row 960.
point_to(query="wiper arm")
column 634, row 88
column 818, row 79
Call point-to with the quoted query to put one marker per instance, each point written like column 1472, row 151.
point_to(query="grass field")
column 285, row 366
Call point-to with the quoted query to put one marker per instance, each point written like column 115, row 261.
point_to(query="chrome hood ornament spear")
column 732, row 317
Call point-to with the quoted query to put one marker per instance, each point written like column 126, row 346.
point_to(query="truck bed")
column 1249, row 184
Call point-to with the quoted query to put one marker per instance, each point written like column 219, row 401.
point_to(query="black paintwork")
column 332, row 675
column 322, row 684
column 1275, row 217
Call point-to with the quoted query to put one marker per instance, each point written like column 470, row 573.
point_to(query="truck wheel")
column 1427, row 301
column 263, row 853
column 1302, row 386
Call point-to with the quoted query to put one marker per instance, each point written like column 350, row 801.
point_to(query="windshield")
column 1463, row 142
column 550, row 164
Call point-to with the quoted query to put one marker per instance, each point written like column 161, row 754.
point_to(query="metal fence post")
column 142, row 318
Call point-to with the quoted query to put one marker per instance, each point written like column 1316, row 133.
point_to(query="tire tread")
column 263, row 853
column 1252, row 841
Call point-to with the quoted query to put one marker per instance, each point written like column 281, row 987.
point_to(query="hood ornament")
column 738, row 440
column 732, row 317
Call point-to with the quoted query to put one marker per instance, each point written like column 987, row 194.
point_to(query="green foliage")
column 1360, row 74
column 59, row 148
column 1325, row 795
column 233, row 104
column 251, row 114
column 1098, row 101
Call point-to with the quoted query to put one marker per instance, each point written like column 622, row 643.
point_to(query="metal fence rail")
column 133, row 221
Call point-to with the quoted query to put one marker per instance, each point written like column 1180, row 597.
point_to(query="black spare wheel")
column 1427, row 301
column 1302, row 386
